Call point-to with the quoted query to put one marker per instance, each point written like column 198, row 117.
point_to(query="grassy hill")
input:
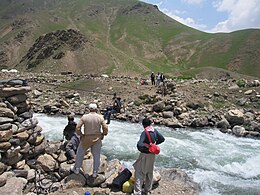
column 116, row 37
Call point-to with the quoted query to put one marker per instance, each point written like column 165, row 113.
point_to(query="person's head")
column 92, row 107
column 71, row 116
column 146, row 122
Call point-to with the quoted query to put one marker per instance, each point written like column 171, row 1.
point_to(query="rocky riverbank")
column 229, row 104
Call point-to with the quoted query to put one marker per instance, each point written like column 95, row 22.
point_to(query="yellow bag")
column 128, row 186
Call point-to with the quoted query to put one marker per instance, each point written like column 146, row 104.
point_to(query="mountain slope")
column 120, row 37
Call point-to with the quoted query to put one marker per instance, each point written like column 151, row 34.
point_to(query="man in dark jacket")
column 144, row 165
column 72, row 138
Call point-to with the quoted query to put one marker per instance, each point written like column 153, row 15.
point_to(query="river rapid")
column 220, row 163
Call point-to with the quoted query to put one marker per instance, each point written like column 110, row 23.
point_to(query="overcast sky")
column 213, row 15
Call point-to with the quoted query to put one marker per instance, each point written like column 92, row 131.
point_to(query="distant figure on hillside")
column 153, row 78
column 72, row 139
column 158, row 79
column 162, row 77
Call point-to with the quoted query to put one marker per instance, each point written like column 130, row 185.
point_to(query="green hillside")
column 115, row 37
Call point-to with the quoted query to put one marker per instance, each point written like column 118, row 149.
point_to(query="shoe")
column 74, row 170
column 94, row 174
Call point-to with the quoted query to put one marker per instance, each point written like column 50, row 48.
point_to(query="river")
column 220, row 163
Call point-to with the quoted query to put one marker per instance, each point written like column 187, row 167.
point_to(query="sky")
column 212, row 15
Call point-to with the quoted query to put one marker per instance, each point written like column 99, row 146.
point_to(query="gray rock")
column 238, row 131
column 235, row 117
column 167, row 114
column 199, row 122
column 47, row 162
column 159, row 106
column 10, row 91
column 16, row 99
column 5, row 120
column 5, row 126
column 223, row 125
column 95, row 182
column 3, row 168
column 14, row 186
column 6, row 112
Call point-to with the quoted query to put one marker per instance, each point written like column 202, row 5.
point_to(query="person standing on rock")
column 91, row 138
column 144, row 165
column 153, row 78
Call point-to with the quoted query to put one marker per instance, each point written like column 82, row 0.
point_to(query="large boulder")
column 47, row 162
column 235, row 117
column 239, row 131
column 14, row 186
column 159, row 106
column 223, row 125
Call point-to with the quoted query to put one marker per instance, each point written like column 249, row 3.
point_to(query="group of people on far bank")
column 95, row 129
column 157, row 79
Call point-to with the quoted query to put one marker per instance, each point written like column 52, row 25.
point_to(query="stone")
column 248, row 92
column 14, row 186
column 73, row 181
column 167, row 114
column 62, row 157
column 36, row 93
column 3, row 168
column 21, row 136
column 6, row 112
column 12, row 161
column 199, row 122
column 29, row 123
column 20, row 173
column 159, row 106
column 25, row 148
column 5, row 146
column 238, row 131
column 223, row 125
column 20, row 165
column 235, row 117
column 10, row 91
column 16, row 99
column 5, row 126
column 26, row 115
column 5, row 120
column 5, row 135
column 37, row 150
column 10, row 153
column 39, row 140
column 47, row 162
column 97, row 181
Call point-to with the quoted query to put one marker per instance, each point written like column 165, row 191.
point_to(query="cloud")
column 186, row 21
column 242, row 14
column 193, row 1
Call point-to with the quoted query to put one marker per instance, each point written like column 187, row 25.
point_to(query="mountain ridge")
column 127, row 37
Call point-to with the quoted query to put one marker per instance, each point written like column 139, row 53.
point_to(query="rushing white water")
column 220, row 163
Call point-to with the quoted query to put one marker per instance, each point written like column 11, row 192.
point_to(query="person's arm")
column 159, row 138
column 141, row 145
column 104, row 126
column 78, row 127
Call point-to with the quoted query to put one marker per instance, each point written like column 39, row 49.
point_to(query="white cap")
column 92, row 106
